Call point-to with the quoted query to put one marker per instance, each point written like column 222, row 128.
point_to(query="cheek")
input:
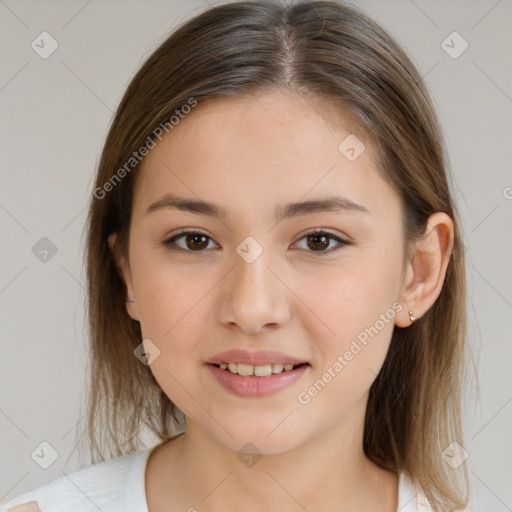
column 343, row 301
column 350, row 360
column 169, row 296
column 351, row 317
column 172, row 308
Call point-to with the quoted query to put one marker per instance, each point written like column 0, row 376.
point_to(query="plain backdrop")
column 54, row 116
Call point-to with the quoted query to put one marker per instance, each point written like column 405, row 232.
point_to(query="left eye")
column 196, row 241
column 321, row 240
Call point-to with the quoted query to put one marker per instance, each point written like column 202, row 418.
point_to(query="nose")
column 253, row 297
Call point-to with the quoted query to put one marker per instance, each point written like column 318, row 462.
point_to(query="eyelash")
column 170, row 241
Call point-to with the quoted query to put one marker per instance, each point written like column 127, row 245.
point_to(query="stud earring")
column 412, row 318
column 129, row 300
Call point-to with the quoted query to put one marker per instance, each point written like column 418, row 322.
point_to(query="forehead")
column 261, row 150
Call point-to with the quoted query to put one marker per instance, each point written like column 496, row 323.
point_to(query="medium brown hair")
column 324, row 50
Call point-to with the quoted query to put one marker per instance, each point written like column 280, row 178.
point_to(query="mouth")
column 264, row 370
column 246, row 380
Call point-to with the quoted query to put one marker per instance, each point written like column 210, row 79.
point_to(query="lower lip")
column 256, row 386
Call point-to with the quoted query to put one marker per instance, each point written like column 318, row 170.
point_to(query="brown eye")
column 191, row 241
column 320, row 242
column 196, row 242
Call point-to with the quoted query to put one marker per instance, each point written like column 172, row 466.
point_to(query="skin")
column 248, row 156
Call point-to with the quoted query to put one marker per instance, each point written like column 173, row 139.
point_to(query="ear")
column 426, row 268
column 124, row 270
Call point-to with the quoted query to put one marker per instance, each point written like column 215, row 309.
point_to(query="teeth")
column 244, row 369
column 277, row 368
column 260, row 371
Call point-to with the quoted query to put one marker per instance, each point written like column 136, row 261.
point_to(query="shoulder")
column 411, row 497
column 100, row 486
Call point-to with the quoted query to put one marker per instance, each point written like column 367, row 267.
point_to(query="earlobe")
column 426, row 269
column 403, row 317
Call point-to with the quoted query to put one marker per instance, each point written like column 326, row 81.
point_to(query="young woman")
column 276, row 278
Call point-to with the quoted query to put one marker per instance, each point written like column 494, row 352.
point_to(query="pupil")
column 191, row 240
column 325, row 243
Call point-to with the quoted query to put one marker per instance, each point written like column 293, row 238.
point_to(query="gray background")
column 55, row 113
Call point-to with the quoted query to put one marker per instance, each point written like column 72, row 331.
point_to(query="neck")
column 329, row 472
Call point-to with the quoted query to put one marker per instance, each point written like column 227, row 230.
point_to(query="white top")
column 118, row 485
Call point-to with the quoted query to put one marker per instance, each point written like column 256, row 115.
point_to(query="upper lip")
column 261, row 357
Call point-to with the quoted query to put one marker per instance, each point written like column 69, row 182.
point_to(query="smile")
column 259, row 371
column 256, row 381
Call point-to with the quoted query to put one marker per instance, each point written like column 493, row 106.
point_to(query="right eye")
column 194, row 241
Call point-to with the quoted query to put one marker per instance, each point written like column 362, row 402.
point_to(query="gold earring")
column 412, row 318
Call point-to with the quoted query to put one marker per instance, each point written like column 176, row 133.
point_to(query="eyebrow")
column 289, row 210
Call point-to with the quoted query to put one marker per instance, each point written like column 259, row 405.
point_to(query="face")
column 255, row 277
